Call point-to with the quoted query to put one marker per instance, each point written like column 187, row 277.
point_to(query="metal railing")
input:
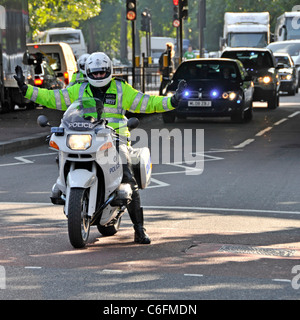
column 146, row 79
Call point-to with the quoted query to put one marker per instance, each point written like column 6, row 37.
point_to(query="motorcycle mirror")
column 133, row 123
column 42, row 121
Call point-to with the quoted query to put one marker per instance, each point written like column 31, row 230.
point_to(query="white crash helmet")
column 98, row 62
column 81, row 62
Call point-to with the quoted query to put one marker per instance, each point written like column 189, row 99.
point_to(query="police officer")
column 79, row 76
column 118, row 97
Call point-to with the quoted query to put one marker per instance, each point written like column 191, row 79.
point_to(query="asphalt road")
column 230, row 232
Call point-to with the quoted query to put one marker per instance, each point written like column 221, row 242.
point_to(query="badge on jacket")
column 110, row 98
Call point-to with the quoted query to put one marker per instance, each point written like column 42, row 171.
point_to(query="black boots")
column 134, row 207
column 137, row 217
column 140, row 236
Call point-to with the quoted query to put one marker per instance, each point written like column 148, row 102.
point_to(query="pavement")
column 19, row 129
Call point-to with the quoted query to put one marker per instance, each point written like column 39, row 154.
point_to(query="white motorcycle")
column 90, row 170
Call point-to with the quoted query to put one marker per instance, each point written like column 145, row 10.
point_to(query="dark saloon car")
column 261, row 65
column 215, row 88
column 288, row 73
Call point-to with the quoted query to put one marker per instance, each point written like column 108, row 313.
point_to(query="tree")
column 49, row 13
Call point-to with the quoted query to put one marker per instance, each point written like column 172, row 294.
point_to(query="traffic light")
column 131, row 10
column 146, row 21
column 183, row 9
column 176, row 20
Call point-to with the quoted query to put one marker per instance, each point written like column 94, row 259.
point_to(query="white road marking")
column 280, row 121
column 23, row 159
column 243, row 144
column 220, row 209
column 159, row 184
column 282, row 280
column 174, row 208
column 262, row 132
column 294, row 114
column 193, row 275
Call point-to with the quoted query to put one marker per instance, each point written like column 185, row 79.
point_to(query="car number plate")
column 199, row 103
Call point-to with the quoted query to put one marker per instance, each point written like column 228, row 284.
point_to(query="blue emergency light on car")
column 186, row 93
column 214, row 93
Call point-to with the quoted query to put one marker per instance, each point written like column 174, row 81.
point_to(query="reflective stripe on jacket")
column 77, row 77
column 119, row 98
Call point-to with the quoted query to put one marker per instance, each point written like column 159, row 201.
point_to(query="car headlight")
column 265, row 80
column 229, row 95
column 79, row 141
column 286, row 77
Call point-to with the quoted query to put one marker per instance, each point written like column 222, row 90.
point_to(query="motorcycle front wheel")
column 78, row 219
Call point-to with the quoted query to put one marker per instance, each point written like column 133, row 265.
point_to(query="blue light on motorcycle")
column 58, row 131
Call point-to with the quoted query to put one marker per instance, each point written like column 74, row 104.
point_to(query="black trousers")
column 134, row 207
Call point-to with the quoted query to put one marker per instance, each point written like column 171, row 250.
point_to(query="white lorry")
column 287, row 26
column 158, row 46
column 73, row 37
column 246, row 29
column 14, row 23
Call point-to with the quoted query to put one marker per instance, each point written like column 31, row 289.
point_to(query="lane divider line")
column 243, row 144
column 262, row 132
column 294, row 114
column 280, row 121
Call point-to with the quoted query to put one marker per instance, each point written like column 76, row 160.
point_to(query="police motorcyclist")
column 79, row 76
column 118, row 97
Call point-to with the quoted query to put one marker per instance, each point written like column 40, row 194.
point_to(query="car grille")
column 204, row 95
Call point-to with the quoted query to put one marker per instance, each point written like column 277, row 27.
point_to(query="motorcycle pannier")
column 142, row 166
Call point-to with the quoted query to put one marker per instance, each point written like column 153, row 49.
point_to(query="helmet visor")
column 98, row 73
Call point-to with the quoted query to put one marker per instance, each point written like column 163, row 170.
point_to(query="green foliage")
column 49, row 13
column 102, row 25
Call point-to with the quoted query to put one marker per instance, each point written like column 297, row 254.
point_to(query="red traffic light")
column 176, row 23
column 131, row 10
column 175, row 2
column 131, row 15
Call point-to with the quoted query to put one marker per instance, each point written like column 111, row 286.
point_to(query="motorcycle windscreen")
column 83, row 114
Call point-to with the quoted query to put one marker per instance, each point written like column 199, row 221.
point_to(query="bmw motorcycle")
column 89, row 184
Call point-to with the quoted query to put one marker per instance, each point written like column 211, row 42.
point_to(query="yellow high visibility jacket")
column 77, row 77
column 119, row 98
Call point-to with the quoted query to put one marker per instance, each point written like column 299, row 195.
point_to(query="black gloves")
column 178, row 94
column 20, row 79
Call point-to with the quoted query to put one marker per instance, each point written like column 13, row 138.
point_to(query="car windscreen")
column 293, row 49
column 258, row 40
column 195, row 70
column 251, row 59
column 283, row 60
column 65, row 37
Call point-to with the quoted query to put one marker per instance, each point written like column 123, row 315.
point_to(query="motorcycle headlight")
column 79, row 141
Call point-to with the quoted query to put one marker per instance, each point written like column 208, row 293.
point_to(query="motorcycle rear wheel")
column 78, row 219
